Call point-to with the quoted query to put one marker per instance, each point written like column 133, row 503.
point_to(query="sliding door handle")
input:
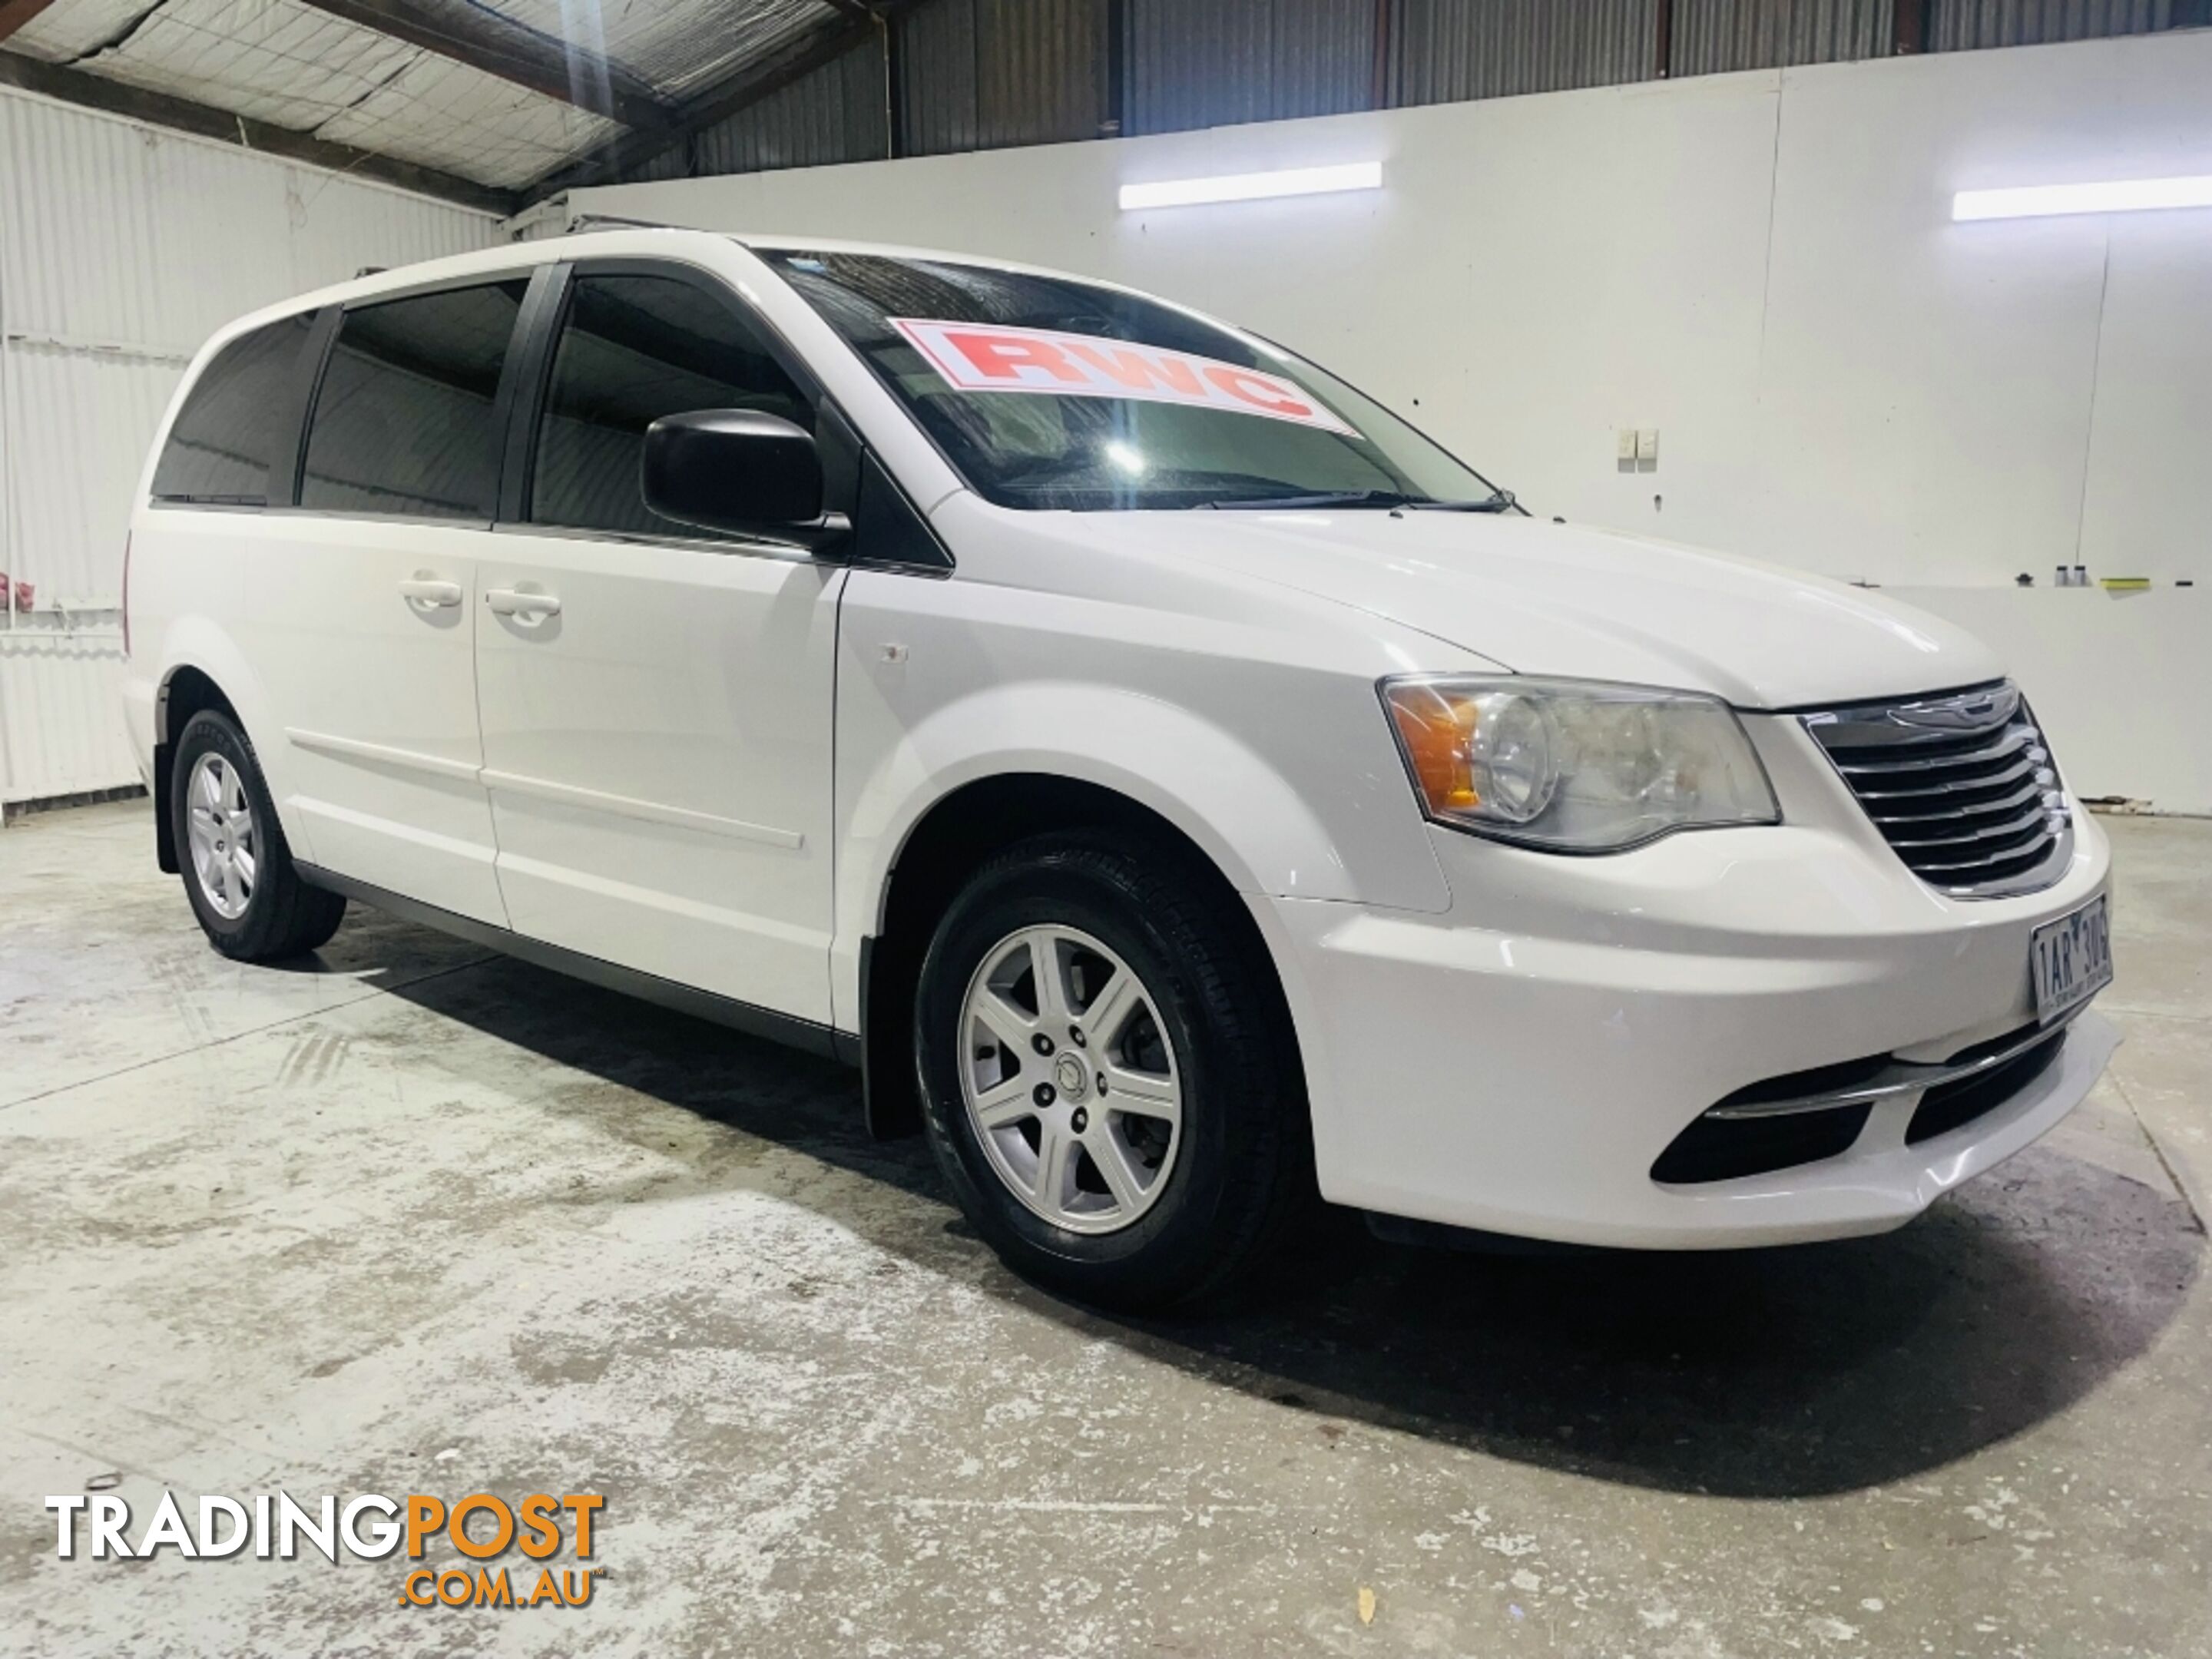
column 428, row 591
column 521, row 605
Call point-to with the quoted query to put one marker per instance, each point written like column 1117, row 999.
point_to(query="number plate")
column 2070, row 960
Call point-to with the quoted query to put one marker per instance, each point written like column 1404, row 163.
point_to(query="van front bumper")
column 1519, row 1063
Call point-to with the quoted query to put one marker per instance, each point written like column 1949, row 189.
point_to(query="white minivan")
column 1175, row 781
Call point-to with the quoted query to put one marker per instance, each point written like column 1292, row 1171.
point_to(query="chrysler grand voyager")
column 1176, row 782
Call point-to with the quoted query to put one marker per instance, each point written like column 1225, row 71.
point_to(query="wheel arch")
column 946, row 843
column 202, row 668
column 185, row 691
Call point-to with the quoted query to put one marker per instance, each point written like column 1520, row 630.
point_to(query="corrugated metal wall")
column 1967, row 25
column 983, row 74
column 1711, row 37
column 1192, row 66
column 835, row 113
column 121, row 248
column 1446, row 49
column 841, row 112
column 61, row 721
column 980, row 73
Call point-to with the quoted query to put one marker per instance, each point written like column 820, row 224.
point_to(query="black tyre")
column 1109, row 1078
column 237, row 869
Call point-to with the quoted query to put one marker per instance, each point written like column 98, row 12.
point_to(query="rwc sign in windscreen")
column 991, row 357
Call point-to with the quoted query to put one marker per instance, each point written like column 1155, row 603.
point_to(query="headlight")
column 1574, row 766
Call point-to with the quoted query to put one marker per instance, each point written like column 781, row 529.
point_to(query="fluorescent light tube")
column 1253, row 186
column 2122, row 195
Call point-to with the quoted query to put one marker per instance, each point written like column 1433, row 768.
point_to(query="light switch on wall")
column 1646, row 445
column 1626, row 452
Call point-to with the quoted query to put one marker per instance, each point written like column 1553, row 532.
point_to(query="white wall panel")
column 2147, row 504
column 1935, row 388
column 339, row 225
column 61, row 727
column 78, row 423
column 122, row 247
column 1763, row 267
column 2120, row 680
column 110, row 232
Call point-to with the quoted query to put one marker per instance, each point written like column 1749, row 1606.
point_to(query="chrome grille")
column 1962, row 787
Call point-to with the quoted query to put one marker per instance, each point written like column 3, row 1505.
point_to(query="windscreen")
column 1047, row 394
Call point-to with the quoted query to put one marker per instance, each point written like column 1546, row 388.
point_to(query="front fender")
column 1231, row 800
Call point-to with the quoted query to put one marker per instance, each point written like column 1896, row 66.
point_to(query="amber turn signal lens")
column 1437, row 730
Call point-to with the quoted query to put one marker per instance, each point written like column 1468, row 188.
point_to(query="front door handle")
column 523, row 607
column 429, row 591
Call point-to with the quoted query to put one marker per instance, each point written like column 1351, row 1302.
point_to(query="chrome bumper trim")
column 1900, row 1077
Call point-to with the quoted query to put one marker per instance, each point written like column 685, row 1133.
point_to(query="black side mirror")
column 738, row 470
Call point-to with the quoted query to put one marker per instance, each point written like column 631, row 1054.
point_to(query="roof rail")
column 553, row 217
column 596, row 221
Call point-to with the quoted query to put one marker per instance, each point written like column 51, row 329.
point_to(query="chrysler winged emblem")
column 1970, row 711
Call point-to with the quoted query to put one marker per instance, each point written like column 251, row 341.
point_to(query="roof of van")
column 633, row 240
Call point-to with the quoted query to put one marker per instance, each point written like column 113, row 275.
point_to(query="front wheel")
column 237, row 870
column 1108, row 1077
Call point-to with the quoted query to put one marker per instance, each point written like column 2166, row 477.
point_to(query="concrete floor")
column 415, row 1219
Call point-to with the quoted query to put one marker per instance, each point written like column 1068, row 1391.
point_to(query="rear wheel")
column 237, row 869
column 1109, row 1081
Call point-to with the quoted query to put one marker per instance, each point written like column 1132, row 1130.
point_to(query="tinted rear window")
column 403, row 421
column 237, row 421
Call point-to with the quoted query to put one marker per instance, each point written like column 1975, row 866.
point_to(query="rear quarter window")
column 237, row 421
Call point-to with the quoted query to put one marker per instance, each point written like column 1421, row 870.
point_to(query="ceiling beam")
column 484, row 40
column 160, row 110
column 795, row 59
column 13, row 14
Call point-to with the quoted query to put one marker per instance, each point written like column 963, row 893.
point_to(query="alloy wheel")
column 226, row 850
column 1070, row 1079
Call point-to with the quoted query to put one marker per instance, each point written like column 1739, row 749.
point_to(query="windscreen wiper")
column 1502, row 501
column 1323, row 498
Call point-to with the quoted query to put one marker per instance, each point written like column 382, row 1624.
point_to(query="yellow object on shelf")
column 2124, row 584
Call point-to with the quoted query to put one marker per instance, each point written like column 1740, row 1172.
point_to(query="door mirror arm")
column 829, row 536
